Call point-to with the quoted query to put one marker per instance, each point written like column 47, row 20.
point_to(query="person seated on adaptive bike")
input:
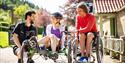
column 53, row 33
column 87, row 30
column 21, row 32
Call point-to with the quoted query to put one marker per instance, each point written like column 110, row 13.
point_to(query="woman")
column 86, row 25
column 53, row 31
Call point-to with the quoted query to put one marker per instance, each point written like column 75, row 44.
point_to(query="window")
column 113, row 27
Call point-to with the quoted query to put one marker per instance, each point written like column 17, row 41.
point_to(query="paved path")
column 7, row 56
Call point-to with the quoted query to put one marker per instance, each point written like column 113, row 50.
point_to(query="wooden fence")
column 116, row 45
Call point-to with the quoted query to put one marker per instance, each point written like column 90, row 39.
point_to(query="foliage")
column 20, row 10
column 19, row 7
column 4, row 16
column 4, row 39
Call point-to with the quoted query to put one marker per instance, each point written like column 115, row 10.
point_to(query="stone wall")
column 121, row 22
column 106, row 27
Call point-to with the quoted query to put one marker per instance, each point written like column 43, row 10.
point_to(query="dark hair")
column 29, row 13
column 83, row 6
column 57, row 15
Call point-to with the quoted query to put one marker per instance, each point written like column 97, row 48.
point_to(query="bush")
column 40, row 30
column 4, row 26
column 4, row 39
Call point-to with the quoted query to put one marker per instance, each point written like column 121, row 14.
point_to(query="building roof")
column 108, row 6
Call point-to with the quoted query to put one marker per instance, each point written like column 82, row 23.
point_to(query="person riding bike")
column 53, row 33
column 87, row 30
column 21, row 32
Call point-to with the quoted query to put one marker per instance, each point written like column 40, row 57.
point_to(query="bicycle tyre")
column 22, row 50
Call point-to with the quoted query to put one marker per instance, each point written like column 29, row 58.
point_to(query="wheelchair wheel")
column 99, row 49
column 75, row 51
column 69, row 54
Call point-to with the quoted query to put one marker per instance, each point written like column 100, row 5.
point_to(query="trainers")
column 42, row 47
column 62, row 50
column 54, row 55
column 89, row 59
column 83, row 59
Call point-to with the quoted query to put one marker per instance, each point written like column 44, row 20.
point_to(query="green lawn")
column 39, row 36
column 4, row 39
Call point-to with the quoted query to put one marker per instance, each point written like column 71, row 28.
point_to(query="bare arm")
column 16, row 40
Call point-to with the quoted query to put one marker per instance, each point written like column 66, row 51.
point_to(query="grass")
column 39, row 36
column 4, row 39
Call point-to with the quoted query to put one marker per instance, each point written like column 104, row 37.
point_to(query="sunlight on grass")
column 4, row 39
column 39, row 36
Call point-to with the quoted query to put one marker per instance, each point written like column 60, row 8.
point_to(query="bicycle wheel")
column 21, row 54
column 99, row 50
column 24, row 45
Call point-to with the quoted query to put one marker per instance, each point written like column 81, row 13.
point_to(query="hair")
column 57, row 15
column 83, row 6
column 29, row 13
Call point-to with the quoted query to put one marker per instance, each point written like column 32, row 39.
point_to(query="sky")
column 50, row 5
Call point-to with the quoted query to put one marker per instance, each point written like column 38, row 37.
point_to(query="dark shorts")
column 15, row 50
column 95, row 34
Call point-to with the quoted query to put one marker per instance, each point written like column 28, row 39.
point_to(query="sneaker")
column 62, row 50
column 89, row 59
column 83, row 59
column 42, row 47
column 54, row 55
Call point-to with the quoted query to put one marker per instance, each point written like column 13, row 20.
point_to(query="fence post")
column 122, row 57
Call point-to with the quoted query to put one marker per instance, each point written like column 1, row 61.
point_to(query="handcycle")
column 33, row 47
column 73, row 48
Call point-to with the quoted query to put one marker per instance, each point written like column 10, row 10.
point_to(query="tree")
column 20, row 10
column 4, row 16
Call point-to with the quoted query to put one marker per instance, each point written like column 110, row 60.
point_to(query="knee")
column 82, row 35
column 51, row 36
column 90, row 35
column 18, row 54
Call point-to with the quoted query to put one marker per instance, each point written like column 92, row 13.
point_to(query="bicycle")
column 33, row 47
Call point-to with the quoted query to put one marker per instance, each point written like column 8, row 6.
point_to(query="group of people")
column 85, row 26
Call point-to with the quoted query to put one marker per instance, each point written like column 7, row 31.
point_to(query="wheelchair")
column 74, row 50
